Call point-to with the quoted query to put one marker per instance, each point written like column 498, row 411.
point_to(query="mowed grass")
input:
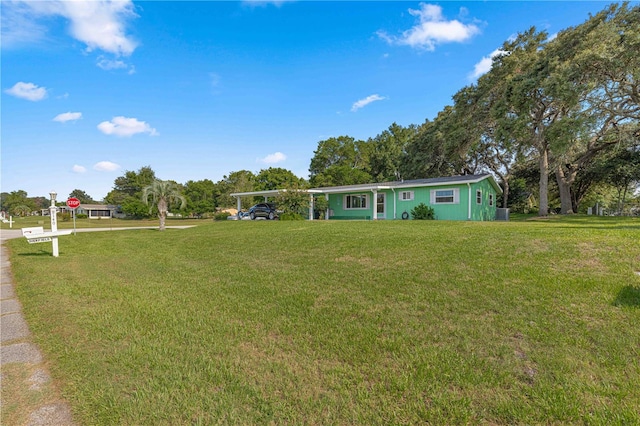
column 67, row 223
column 403, row 322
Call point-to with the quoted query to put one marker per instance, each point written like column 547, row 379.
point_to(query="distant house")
column 93, row 211
column 469, row 197
column 97, row 211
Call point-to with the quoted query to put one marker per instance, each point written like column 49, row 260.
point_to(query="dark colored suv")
column 267, row 210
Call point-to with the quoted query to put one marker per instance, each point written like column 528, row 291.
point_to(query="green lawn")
column 403, row 322
column 45, row 222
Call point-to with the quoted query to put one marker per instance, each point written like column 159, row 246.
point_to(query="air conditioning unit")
column 502, row 214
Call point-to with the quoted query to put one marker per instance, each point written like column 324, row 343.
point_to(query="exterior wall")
column 336, row 205
column 459, row 210
column 455, row 211
column 483, row 211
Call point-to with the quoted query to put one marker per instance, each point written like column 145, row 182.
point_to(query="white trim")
column 346, row 189
column 272, row 192
column 366, row 202
column 410, row 195
column 407, row 184
column 456, row 196
column 469, row 202
column 384, row 205
column 326, row 214
column 394, row 203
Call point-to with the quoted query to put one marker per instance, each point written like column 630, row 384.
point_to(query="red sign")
column 73, row 203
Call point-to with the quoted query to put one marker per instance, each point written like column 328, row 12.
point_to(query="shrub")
column 321, row 205
column 82, row 216
column 221, row 215
column 291, row 216
column 295, row 201
column 423, row 212
column 65, row 217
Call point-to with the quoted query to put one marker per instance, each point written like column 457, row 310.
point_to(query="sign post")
column 73, row 203
column 53, row 212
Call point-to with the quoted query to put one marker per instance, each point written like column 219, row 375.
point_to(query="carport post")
column 326, row 213
column 239, row 203
column 310, row 206
column 375, row 205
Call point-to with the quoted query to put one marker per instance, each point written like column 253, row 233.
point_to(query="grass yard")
column 388, row 322
column 45, row 222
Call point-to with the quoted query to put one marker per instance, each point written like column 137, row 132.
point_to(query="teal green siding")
column 454, row 211
column 336, row 205
column 483, row 211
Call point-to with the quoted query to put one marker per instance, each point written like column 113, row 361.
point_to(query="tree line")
column 563, row 111
column 556, row 120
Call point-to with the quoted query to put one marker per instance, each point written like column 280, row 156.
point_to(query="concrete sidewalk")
column 17, row 347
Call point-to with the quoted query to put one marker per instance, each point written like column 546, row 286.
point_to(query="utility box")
column 502, row 214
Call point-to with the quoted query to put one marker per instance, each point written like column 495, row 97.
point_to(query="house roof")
column 449, row 180
column 270, row 192
column 97, row 207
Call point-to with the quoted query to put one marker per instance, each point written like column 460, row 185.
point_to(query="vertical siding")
column 483, row 211
column 442, row 211
column 458, row 211
column 336, row 202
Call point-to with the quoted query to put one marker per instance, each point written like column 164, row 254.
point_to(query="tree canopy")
column 554, row 119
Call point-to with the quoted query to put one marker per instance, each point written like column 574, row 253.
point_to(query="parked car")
column 267, row 210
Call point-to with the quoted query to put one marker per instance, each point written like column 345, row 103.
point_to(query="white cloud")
column 263, row 3
column 100, row 24
column 106, row 166
column 79, row 169
column 18, row 25
column 484, row 66
column 215, row 79
column 114, row 64
column 68, row 116
column 276, row 157
column 28, row 91
column 366, row 101
column 124, row 126
column 432, row 29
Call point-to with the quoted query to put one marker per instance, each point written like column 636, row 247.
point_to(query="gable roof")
column 415, row 183
column 449, row 180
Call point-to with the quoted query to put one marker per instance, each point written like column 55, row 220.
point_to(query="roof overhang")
column 353, row 188
column 408, row 184
column 270, row 193
column 377, row 187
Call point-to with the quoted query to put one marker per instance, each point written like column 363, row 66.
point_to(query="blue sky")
column 197, row 90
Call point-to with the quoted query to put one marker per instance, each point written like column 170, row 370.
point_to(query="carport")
column 274, row 193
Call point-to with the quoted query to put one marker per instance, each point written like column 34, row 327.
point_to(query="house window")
column 406, row 196
column 445, row 196
column 354, row 202
column 478, row 197
column 491, row 200
column 100, row 213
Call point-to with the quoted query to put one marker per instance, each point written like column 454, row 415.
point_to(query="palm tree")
column 162, row 193
column 21, row 210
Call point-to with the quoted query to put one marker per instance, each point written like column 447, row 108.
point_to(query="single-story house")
column 93, row 211
column 469, row 197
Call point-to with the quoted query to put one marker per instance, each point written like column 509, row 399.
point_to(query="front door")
column 380, row 205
